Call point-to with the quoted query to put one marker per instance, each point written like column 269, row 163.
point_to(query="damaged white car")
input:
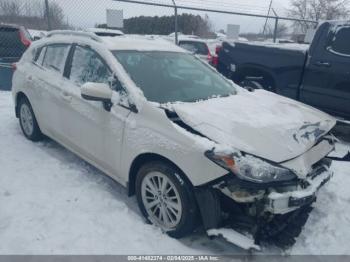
column 195, row 148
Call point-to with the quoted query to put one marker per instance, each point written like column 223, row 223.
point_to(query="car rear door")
column 89, row 129
column 48, row 82
column 326, row 83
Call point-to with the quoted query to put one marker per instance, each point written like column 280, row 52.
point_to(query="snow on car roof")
column 125, row 42
column 288, row 46
column 9, row 25
column 141, row 44
column 104, row 30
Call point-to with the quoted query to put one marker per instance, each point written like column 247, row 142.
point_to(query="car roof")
column 200, row 40
column 141, row 44
column 10, row 26
column 190, row 39
column 125, row 42
column 105, row 30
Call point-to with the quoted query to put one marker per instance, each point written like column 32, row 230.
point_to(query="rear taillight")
column 14, row 66
column 215, row 58
column 210, row 57
column 215, row 61
column 217, row 50
column 25, row 41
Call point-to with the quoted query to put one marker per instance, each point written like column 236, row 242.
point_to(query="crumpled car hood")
column 259, row 123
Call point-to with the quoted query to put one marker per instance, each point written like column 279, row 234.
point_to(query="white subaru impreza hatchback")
column 196, row 149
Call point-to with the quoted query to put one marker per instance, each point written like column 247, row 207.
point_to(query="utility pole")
column 47, row 12
column 268, row 12
column 276, row 26
column 176, row 24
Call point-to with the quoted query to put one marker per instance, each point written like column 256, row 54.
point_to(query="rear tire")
column 28, row 122
column 265, row 83
column 166, row 199
column 251, row 85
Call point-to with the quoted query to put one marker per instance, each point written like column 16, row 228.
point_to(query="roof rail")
column 74, row 33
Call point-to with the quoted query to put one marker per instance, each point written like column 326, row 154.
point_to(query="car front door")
column 326, row 82
column 91, row 130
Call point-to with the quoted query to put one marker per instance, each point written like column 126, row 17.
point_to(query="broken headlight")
column 251, row 168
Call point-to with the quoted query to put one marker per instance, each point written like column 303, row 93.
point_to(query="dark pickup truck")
column 318, row 75
column 14, row 40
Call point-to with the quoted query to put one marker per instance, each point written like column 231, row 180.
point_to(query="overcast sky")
column 86, row 13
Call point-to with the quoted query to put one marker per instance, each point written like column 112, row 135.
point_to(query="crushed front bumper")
column 282, row 203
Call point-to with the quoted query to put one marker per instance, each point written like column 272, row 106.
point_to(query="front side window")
column 55, row 57
column 170, row 77
column 340, row 41
column 87, row 66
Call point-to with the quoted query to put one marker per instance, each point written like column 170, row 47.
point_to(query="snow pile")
column 234, row 237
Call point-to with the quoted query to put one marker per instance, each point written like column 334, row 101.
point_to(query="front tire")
column 165, row 199
column 28, row 122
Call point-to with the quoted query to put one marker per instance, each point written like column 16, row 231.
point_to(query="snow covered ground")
column 52, row 202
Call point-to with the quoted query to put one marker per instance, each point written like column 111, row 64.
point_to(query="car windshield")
column 170, row 77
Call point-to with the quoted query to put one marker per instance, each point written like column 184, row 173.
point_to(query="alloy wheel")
column 161, row 200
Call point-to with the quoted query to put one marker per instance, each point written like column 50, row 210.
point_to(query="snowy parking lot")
column 52, row 202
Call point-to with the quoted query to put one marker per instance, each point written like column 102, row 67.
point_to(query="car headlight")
column 250, row 168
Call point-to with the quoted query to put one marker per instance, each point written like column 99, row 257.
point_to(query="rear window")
column 39, row 55
column 10, row 42
column 198, row 48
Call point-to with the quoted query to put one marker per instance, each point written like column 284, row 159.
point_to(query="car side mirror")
column 98, row 92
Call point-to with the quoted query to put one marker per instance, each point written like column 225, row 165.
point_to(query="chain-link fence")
column 254, row 17
column 22, row 21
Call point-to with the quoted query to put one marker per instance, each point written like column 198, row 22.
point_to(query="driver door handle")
column 323, row 64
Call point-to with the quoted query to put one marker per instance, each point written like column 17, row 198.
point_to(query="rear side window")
column 39, row 55
column 10, row 42
column 340, row 43
column 55, row 57
column 88, row 66
column 195, row 47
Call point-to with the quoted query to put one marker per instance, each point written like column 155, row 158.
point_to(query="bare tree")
column 282, row 30
column 32, row 14
column 10, row 8
column 318, row 10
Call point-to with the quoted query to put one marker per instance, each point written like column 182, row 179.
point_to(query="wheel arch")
column 20, row 95
column 256, row 70
column 144, row 158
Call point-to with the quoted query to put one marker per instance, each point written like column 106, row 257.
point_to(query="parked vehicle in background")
column 105, row 32
column 318, row 75
column 206, row 49
column 14, row 40
column 280, row 41
column 37, row 34
column 194, row 147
